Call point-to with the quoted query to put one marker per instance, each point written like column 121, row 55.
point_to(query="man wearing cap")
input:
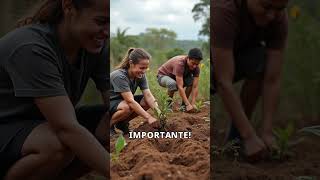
column 179, row 72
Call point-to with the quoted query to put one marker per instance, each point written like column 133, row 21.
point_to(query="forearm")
column 194, row 95
column 183, row 95
column 234, row 107
column 87, row 148
column 138, row 109
column 151, row 101
column 271, row 90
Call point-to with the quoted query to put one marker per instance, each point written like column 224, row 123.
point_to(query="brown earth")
column 303, row 164
column 157, row 159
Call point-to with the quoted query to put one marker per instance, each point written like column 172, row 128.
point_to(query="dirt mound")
column 167, row 158
column 303, row 165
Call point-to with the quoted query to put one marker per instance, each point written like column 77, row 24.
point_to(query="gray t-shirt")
column 120, row 82
column 33, row 64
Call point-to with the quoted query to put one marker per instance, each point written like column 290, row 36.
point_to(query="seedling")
column 120, row 144
column 198, row 105
column 163, row 109
column 283, row 137
column 231, row 148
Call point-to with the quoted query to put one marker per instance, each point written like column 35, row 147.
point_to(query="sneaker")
column 123, row 126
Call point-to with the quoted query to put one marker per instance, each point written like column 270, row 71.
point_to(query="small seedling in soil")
column 199, row 105
column 163, row 109
column 230, row 149
column 283, row 137
column 120, row 144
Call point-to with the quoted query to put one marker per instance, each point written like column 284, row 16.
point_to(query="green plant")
column 120, row 144
column 163, row 109
column 283, row 137
column 231, row 148
column 198, row 105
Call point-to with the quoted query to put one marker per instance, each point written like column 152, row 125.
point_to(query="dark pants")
column 249, row 64
column 18, row 130
column 115, row 103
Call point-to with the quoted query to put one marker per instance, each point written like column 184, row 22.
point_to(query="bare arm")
column 62, row 119
column 224, row 73
column 194, row 90
column 271, row 86
column 149, row 98
column 136, row 107
column 182, row 93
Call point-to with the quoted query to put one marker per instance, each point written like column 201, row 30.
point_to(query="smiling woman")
column 124, row 105
column 45, row 65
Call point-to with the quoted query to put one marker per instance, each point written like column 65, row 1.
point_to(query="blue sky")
column 138, row 15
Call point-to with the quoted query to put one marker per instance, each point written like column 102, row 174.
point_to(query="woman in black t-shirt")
column 124, row 105
column 44, row 67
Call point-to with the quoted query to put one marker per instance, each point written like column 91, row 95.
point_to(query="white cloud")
column 138, row 15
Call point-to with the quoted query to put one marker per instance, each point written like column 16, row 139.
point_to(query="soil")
column 161, row 158
column 303, row 164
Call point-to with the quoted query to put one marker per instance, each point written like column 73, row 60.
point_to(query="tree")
column 120, row 43
column 174, row 52
column 158, row 38
column 201, row 11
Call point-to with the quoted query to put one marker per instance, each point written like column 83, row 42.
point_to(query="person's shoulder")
column 177, row 58
column 181, row 59
column 39, row 35
column 33, row 32
column 118, row 73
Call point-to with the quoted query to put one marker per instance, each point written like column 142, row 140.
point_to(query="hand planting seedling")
column 120, row 144
column 283, row 137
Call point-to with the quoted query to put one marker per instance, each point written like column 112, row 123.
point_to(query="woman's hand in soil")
column 189, row 108
column 151, row 120
column 254, row 148
column 269, row 141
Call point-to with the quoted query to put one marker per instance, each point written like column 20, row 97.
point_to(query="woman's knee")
column 124, row 108
column 45, row 142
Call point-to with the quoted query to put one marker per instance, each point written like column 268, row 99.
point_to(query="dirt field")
column 157, row 159
column 304, row 164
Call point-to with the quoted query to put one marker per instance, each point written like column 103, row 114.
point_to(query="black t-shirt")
column 33, row 64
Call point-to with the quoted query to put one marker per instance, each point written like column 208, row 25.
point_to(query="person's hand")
column 153, row 122
column 254, row 148
column 189, row 108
